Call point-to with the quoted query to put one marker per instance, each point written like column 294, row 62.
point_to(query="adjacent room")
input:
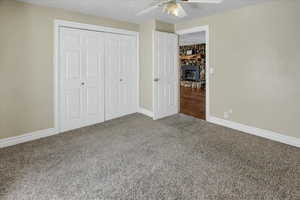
column 149, row 100
column 192, row 53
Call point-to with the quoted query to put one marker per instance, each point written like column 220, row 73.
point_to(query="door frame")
column 56, row 61
column 204, row 28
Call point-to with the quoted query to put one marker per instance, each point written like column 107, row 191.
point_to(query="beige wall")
column 164, row 27
column 254, row 50
column 255, row 54
column 146, row 59
column 26, row 64
column 146, row 53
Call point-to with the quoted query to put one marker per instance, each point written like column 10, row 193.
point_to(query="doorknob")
column 82, row 83
column 156, row 79
column 121, row 79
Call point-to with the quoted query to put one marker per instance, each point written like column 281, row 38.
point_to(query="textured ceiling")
column 126, row 10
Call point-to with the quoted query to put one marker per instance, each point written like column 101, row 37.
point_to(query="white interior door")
column 81, row 78
column 165, row 73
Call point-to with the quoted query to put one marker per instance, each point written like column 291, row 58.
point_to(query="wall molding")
column 146, row 112
column 278, row 137
column 27, row 137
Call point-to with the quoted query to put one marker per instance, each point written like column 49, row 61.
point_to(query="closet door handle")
column 82, row 83
column 156, row 79
column 121, row 79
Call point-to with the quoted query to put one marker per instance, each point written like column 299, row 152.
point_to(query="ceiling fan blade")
column 199, row 1
column 153, row 6
column 149, row 9
column 181, row 12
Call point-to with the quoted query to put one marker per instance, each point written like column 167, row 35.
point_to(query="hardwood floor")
column 192, row 102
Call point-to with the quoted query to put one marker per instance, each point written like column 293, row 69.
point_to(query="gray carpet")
column 134, row 157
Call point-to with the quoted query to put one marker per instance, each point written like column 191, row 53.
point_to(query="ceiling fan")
column 174, row 7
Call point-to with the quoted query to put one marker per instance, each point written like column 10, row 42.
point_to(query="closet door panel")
column 71, row 92
column 133, row 74
column 81, row 78
column 121, row 75
column 124, row 79
column 93, row 69
column 128, row 74
column 112, row 76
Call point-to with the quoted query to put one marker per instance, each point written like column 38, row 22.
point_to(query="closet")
column 97, row 77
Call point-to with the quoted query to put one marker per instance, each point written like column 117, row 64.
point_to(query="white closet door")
column 120, row 75
column 93, row 71
column 165, row 72
column 112, row 76
column 128, row 75
column 81, row 78
column 71, row 90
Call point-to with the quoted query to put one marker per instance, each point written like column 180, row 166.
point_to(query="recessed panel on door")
column 73, row 65
column 73, row 104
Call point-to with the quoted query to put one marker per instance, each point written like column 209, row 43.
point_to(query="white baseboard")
column 146, row 112
column 234, row 125
column 27, row 137
column 278, row 137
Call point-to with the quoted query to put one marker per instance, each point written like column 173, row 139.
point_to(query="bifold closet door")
column 120, row 75
column 81, row 78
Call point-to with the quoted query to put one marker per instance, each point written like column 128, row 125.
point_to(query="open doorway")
column 193, row 63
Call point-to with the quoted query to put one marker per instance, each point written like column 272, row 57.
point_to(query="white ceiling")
column 126, row 10
column 192, row 38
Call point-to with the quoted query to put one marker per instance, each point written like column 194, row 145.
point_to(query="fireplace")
column 190, row 73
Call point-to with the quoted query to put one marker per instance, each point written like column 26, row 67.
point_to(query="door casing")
column 56, row 61
column 208, row 69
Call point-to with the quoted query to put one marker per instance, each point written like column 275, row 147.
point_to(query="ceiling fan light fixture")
column 174, row 7
column 171, row 9
column 175, row 13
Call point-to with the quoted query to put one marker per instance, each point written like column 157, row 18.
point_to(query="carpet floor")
column 136, row 158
